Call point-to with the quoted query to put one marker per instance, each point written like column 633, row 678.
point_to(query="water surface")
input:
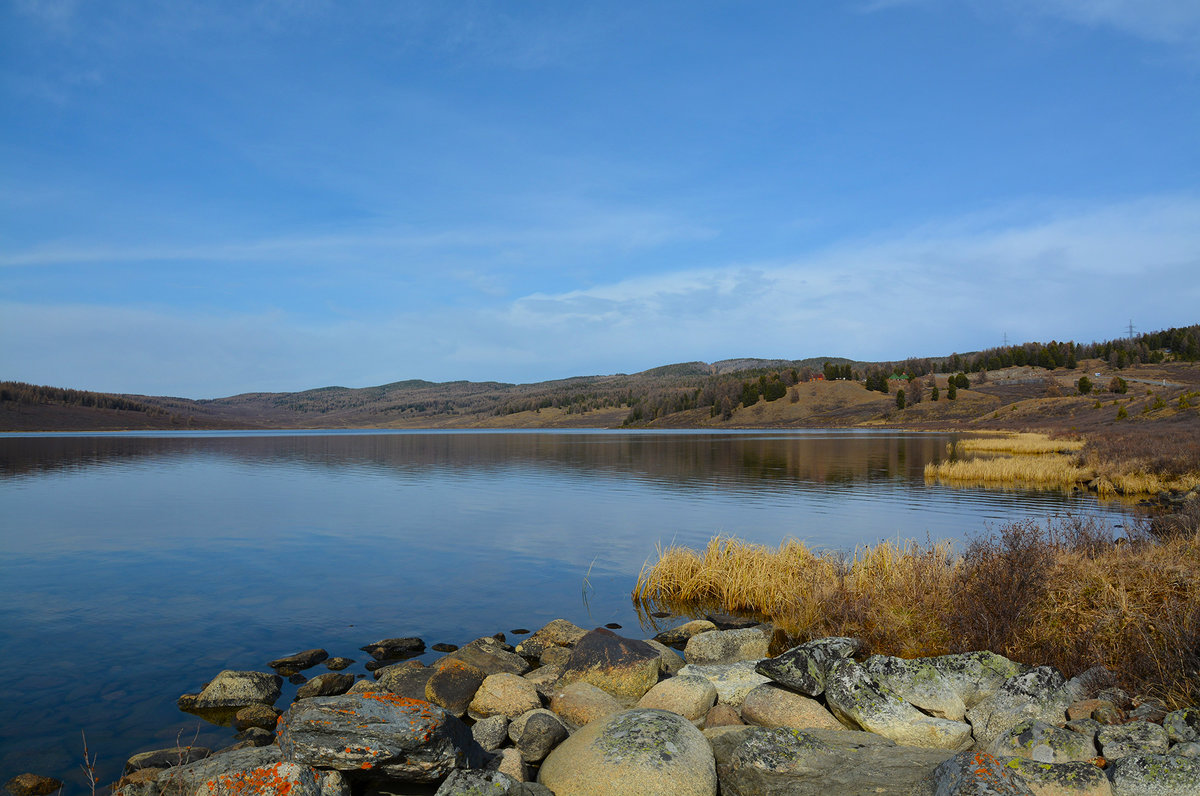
column 133, row 567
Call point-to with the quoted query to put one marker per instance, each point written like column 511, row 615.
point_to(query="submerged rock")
column 299, row 660
column 390, row 649
column 230, row 689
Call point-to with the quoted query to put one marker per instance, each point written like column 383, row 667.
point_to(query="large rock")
column 452, row 685
column 379, row 733
column 1060, row 779
column 535, row 733
column 231, row 689
column 779, row 761
column 300, row 660
column 624, row 667
column 974, row 774
column 973, row 676
column 490, row 656
column 488, row 783
column 689, row 696
column 858, row 702
column 669, row 661
column 490, row 733
column 28, row 784
column 727, row 646
column 639, row 752
column 406, row 679
column 803, row 668
column 557, row 633
column 275, row 779
column 262, row 716
column 732, row 680
column 391, row 649
column 1155, row 775
column 582, row 703
column 187, row 780
column 919, row 683
column 1134, row 738
column 504, row 694
column 1036, row 694
column 1035, row 740
column 771, row 705
column 166, row 758
column 678, row 636
column 1183, row 726
column 327, row 684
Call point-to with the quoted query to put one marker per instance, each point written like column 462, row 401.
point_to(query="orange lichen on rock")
column 262, row 780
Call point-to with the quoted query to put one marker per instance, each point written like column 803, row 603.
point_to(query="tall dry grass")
column 1058, row 471
column 1026, row 443
column 1065, row 593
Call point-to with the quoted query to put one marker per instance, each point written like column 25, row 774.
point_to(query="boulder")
column 669, row 661
column 1134, row 738
column 488, row 783
column 544, row 679
column 274, row 778
column 166, row 758
column 771, row 705
column 919, row 683
column 624, row 667
column 490, row 733
column 32, row 785
column 732, row 680
column 1149, row 710
column 327, row 684
column 582, row 703
column 491, row 656
column 1060, row 779
column 372, row 687
column 391, row 649
column 263, row 716
column 780, row 761
column 300, row 660
column 535, row 733
column 557, row 633
column 1183, row 726
column 678, row 636
column 406, row 679
column 1035, row 740
column 555, row 656
column 722, row 715
column 689, row 696
column 1188, row 749
column 187, row 780
column 859, row 702
column 231, row 689
column 383, row 734
column 641, row 752
column 452, row 686
column 1155, row 775
column 1036, row 694
column 337, row 664
column 504, row 694
column 973, row 774
column 726, row 646
column 973, row 676
column 508, row 761
column 803, row 668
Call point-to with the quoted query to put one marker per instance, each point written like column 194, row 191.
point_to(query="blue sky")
column 206, row 198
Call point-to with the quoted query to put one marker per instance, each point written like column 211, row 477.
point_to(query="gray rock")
column 488, row 783
column 327, row 684
column 917, row 682
column 1059, row 779
column 1149, row 710
column 1089, row 683
column 1183, row 726
column 803, row 668
column 406, row 679
column 166, row 758
column 545, row 679
column 300, row 660
column 390, row 649
column 535, row 733
column 490, row 733
column 1188, row 749
column 1035, row 740
column 974, row 676
column 1134, row 738
column 689, row 696
column 1085, row 727
column 189, row 779
column 1155, row 775
column 382, row 734
column 1036, row 694
column 558, row 633
column 678, row 636
column 858, row 702
column 337, row 664
column 624, row 667
column 642, row 751
column 555, row 656
column 760, row 761
column 974, row 774
column 254, row 736
column 490, row 656
column 231, row 689
column 771, row 705
column 732, row 680
column 726, row 646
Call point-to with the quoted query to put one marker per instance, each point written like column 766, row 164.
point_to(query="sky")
column 209, row 198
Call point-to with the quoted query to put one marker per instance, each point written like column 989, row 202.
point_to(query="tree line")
column 33, row 394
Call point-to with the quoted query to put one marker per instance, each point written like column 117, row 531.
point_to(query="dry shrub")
column 1070, row 593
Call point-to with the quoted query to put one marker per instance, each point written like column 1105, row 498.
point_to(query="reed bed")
column 1065, row 594
column 1043, row 470
column 1025, row 443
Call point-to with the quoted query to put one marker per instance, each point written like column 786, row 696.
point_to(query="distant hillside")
column 821, row 391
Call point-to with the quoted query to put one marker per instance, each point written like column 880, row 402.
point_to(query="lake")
column 134, row 567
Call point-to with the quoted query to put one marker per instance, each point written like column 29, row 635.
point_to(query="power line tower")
column 1130, row 328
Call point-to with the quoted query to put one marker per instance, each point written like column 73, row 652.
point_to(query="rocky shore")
column 711, row 706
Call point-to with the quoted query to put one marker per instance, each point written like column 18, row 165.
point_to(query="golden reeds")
column 1026, row 443
column 1042, row 470
column 1067, row 597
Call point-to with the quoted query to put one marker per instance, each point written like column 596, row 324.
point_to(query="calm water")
column 134, row 567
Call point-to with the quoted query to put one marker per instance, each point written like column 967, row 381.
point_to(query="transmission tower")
column 1130, row 328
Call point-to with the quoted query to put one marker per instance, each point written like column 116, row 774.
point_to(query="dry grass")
column 1064, row 594
column 1025, row 443
column 1041, row 470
